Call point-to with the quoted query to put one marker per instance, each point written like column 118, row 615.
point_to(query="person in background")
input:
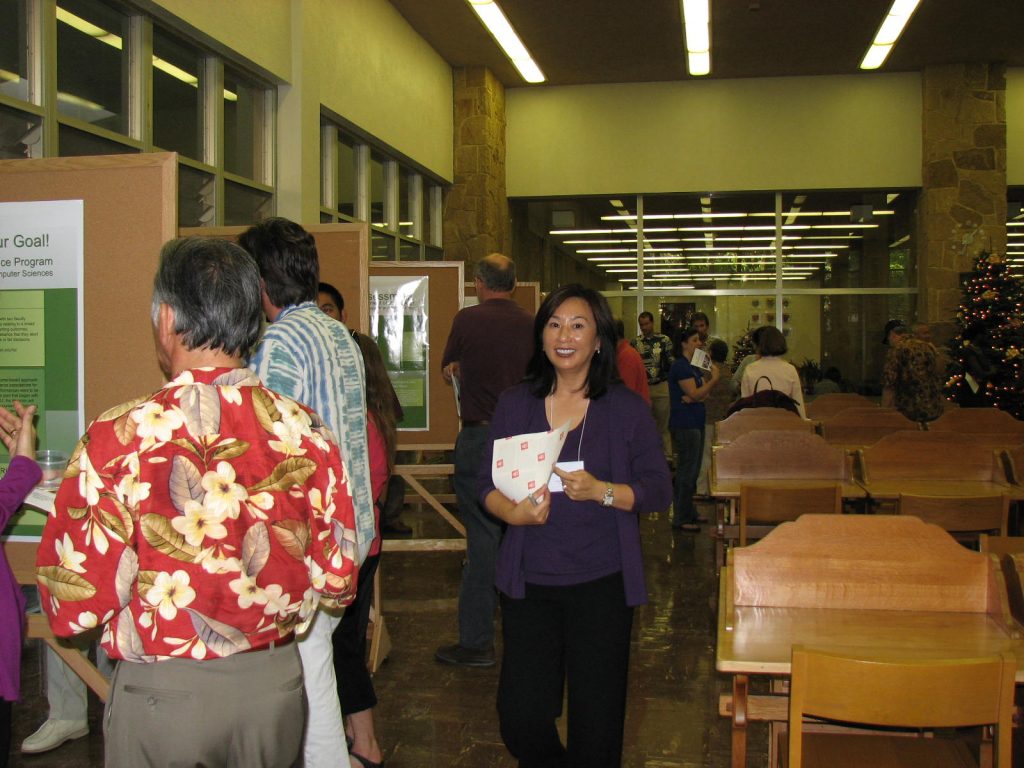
column 311, row 358
column 570, row 569
column 488, row 348
column 656, row 351
column 831, row 382
column 737, row 375
column 200, row 527
column 771, row 346
column 19, row 438
column 700, row 321
column 332, row 303
column 715, row 406
column 688, row 388
column 630, row 364
column 910, row 381
column 355, row 687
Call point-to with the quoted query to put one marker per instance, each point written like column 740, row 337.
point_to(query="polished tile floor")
column 435, row 715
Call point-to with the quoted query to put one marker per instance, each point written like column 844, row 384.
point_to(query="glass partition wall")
column 827, row 268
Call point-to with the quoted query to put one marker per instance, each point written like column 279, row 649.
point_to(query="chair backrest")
column 924, row 455
column 959, row 513
column 902, row 692
column 773, row 504
column 824, row 406
column 856, row 427
column 1000, row 545
column 967, row 420
column 751, row 419
column 781, row 455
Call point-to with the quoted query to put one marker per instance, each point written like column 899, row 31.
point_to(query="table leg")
column 740, row 684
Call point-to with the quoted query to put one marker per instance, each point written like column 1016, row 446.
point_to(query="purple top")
column 22, row 476
column 583, row 541
column 492, row 343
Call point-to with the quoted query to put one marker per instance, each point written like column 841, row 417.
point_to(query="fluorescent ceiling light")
column 697, row 26
column 497, row 24
column 888, row 33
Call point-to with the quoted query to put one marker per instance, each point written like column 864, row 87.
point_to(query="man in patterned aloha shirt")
column 200, row 527
column 656, row 351
column 911, row 382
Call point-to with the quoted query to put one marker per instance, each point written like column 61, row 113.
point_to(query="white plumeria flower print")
column 67, row 555
column 223, row 494
column 170, row 591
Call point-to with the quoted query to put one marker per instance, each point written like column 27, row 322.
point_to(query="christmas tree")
column 988, row 351
column 744, row 346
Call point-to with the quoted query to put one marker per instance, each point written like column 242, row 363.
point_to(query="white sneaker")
column 52, row 734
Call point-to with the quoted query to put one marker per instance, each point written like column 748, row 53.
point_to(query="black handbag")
column 764, row 398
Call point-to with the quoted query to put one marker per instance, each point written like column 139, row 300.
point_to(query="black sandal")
column 365, row 761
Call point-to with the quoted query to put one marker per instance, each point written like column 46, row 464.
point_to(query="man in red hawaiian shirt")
column 200, row 527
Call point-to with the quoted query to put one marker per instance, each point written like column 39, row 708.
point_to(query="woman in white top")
column 783, row 376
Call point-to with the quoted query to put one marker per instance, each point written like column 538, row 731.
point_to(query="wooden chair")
column 967, row 516
column 826, row 406
column 859, row 427
column 753, row 419
column 768, row 505
column 967, row 420
column 901, row 692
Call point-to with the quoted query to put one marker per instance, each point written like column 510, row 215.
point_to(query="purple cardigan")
column 22, row 476
column 621, row 421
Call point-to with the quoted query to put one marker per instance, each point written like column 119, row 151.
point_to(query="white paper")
column 701, row 359
column 523, row 463
column 555, row 483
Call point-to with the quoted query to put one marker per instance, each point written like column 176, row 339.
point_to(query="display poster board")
column 399, row 323
column 444, row 281
column 101, row 222
column 343, row 251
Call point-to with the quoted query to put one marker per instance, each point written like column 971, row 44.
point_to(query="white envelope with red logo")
column 523, row 463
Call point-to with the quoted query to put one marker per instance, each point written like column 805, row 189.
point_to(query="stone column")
column 962, row 210
column 476, row 220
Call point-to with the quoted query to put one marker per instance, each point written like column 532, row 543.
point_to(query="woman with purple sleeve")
column 19, row 437
column 570, row 570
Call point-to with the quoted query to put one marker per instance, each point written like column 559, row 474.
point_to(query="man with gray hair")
column 200, row 527
column 488, row 349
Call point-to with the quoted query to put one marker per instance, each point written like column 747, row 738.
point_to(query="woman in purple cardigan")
column 19, row 436
column 570, row 568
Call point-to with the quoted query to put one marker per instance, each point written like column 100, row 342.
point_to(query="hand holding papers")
column 701, row 359
column 522, row 463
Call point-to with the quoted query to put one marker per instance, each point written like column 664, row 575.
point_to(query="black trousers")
column 577, row 635
column 355, row 688
column 5, row 731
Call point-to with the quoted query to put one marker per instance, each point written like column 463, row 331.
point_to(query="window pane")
column 382, row 246
column 20, row 135
column 406, row 210
column 348, row 178
column 177, row 105
column 244, row 105
column 1015, row 230
column 13, row 50
column 195, row 197
column 434, row 254
column 74, row 143
column 377, row 190
column 428, row 213
column 92, row 63
column 244, row 205
column 408, row 251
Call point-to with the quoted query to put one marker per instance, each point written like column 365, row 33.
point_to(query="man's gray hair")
column 213, row 286
column 497, row 273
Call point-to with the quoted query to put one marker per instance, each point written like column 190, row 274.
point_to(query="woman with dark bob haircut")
column 781, row 375
column 569, row 569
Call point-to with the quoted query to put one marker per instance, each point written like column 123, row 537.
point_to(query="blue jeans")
column 478, row 598
column 689, row 447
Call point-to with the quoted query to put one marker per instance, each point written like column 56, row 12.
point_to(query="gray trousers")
column 244, row 710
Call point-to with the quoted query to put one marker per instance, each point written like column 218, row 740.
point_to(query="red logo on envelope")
column 524, row 445
column 541, row 456
column 515, row 473
column 532, row 484
column 500, row 463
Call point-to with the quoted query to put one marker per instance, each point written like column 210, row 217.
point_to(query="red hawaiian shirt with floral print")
column 208, row 519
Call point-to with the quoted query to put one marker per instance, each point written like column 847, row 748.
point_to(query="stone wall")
column 962, row 208
column 476, row 219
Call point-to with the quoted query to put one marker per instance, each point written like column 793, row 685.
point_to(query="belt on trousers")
column 280, row 643
column 480, row 423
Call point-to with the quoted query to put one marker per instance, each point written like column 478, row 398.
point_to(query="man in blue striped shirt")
column 312, row 358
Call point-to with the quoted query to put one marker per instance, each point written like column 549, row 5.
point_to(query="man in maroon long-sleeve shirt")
column 487, row 351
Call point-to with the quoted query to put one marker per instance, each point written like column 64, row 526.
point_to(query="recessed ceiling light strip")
column 497, row 24
column 697, row 26
column 888, row 33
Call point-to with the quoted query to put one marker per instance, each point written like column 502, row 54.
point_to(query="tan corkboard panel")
column 526, row 295
column 444, row 300
column 343, row 250
column 130, row 208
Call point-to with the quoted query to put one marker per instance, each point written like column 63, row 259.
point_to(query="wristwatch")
column 609, row 495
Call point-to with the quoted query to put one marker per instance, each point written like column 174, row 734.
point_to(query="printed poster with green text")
column 41, row 321
column 398, row 323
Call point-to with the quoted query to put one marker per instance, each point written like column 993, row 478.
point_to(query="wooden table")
column 853, row 583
